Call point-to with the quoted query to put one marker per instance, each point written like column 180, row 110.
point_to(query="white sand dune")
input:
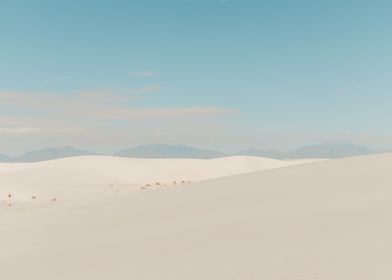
column 90, row 177
column 320, row 221
column 11, row 167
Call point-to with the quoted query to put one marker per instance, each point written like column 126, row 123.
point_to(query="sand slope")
column 320, row 221
column 91, row 177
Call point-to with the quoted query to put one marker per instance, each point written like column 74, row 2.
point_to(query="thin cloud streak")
column 50, row 100
column 18, row 130
column 43, row 110
column 103, row 119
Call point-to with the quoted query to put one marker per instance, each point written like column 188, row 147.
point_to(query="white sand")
column 11, row 167
column 316, row 221
column 79, row 179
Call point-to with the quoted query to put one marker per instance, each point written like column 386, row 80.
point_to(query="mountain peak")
column 52, row 153
column 168, row 151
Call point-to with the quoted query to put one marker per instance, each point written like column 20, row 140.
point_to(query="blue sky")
column 217, row 74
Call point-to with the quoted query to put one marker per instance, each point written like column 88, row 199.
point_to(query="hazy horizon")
column 322, row 150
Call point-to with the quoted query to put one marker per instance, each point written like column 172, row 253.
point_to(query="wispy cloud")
column 87, row 106
column 144, row 74
column 18, row 130
column 146, row 89
column 73, row 101
column 104, row 118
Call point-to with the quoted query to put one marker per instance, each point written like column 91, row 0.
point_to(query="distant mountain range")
column 183, row 151
column 315, row 151
column 331, row 151
column 168, row 151
column 48, row 154
column 4, row 158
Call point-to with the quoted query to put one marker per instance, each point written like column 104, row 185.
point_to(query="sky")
column 217, row 74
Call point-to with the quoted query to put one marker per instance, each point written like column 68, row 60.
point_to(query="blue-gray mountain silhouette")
column 51, row 153
column 182, row 151
column 168, row 151
column 315, row 151
column 4, row 158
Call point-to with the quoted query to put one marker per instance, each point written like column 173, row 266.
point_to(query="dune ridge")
column 26, row 185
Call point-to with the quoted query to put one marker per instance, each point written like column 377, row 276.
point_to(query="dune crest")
column 94, row 177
